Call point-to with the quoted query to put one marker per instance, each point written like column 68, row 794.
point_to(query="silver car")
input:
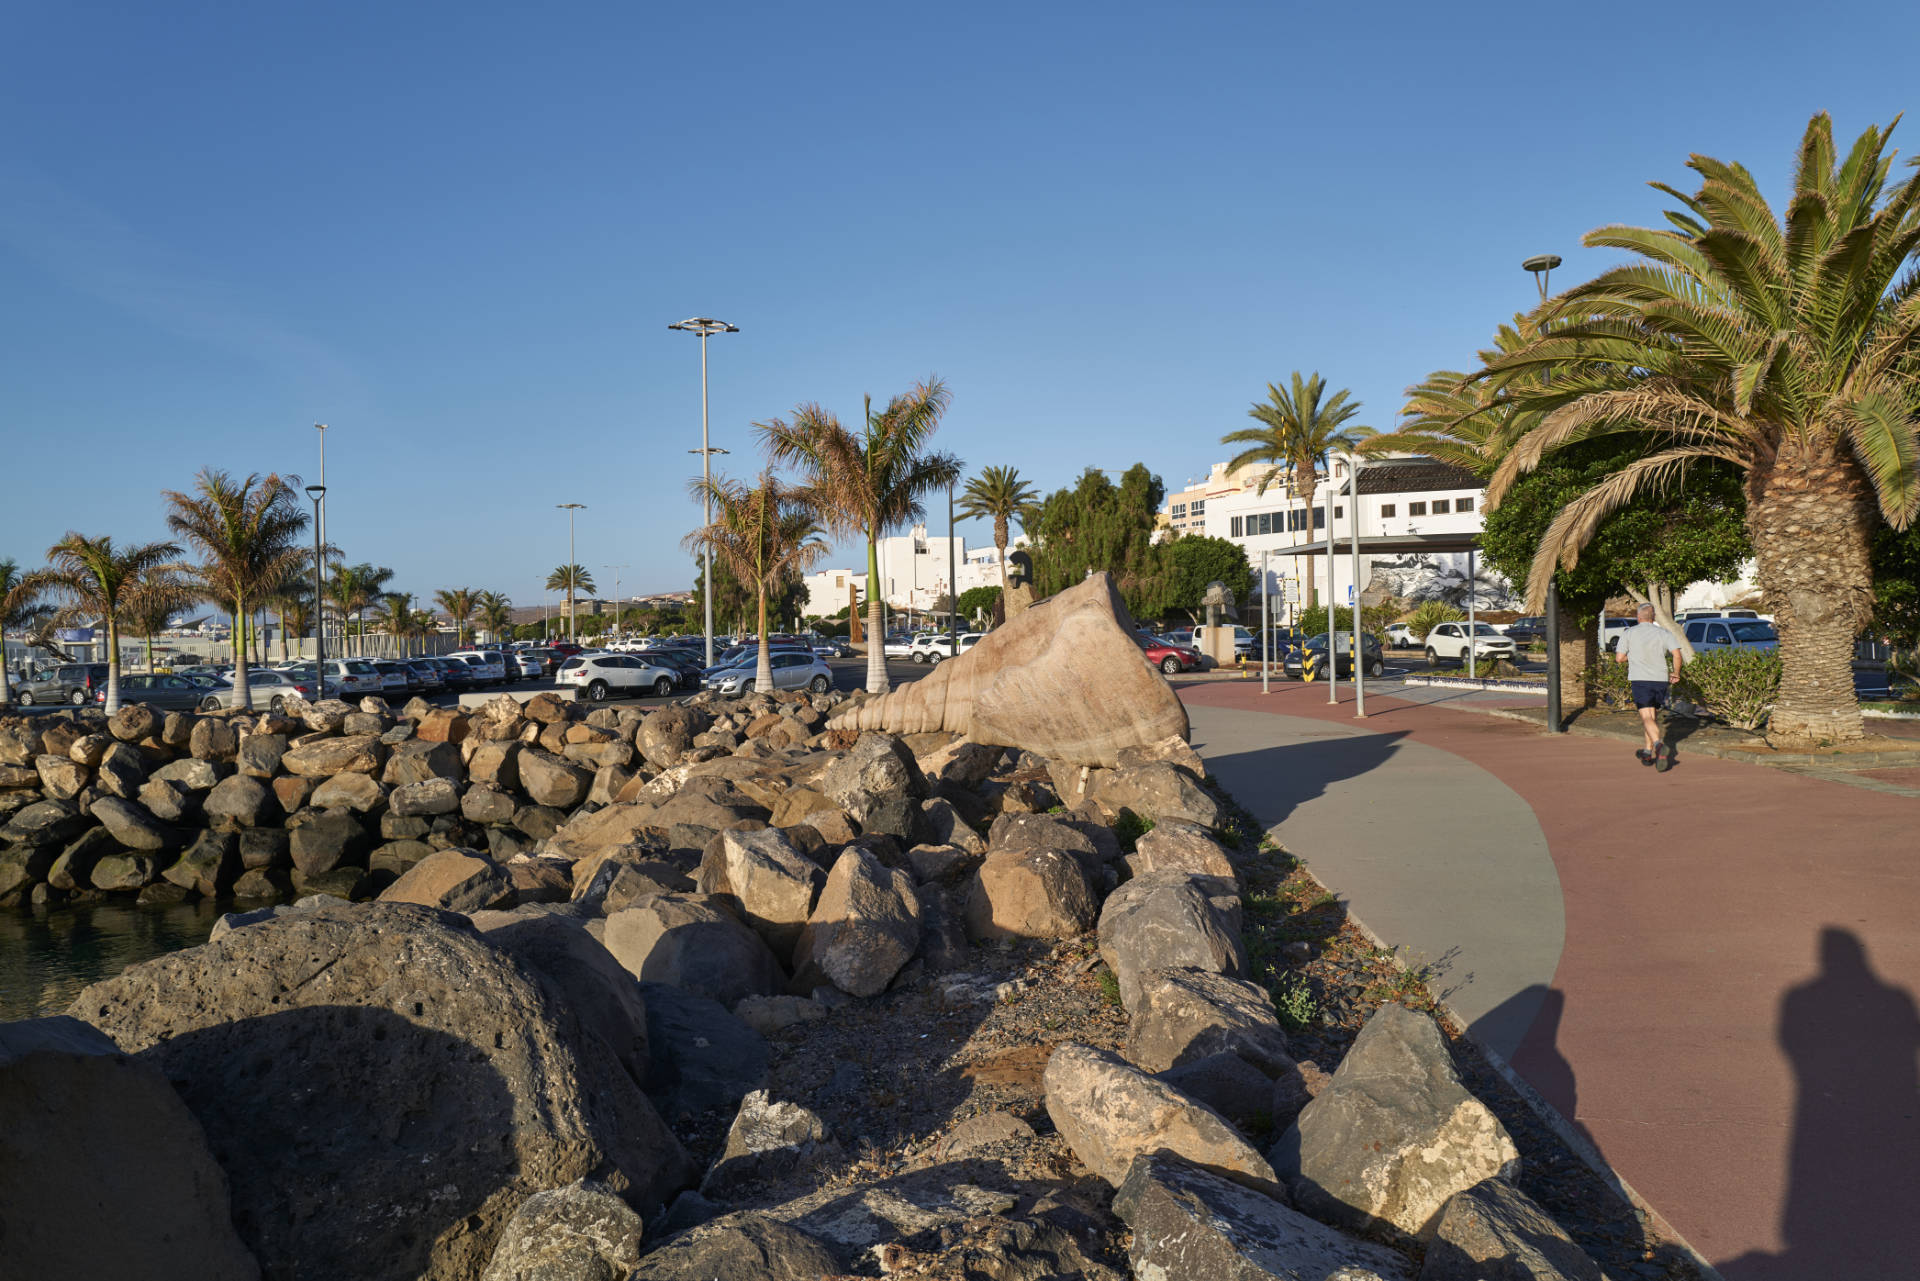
column 265, row 687
column 790, row 671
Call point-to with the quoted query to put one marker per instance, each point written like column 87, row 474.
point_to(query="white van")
column 1242, row 638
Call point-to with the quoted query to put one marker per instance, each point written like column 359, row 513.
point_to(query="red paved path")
column 1738, row 1033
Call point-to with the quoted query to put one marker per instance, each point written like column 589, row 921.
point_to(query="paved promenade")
column 1710, row 972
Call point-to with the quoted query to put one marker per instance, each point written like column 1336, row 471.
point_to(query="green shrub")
column 1738, row 686
column 1607, row 684
column 1293, row 1002
column 1129, row 828
column 1429, row 616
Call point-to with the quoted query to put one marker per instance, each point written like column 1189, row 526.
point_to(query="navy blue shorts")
column 1649, row 693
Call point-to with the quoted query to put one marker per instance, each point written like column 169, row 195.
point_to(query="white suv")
column 489, row 668
column 931, row 649
column 1449, row 641
column 600, row 675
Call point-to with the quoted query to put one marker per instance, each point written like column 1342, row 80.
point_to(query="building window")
column 1463, row 504
column 1439, row 506
column 1386, row 511
column 1237, row 521
column 1265, row 520
column 1296, row 520
column 1179, row 511
column 1338, row 512
column 1416, row 509
column 1197, row 509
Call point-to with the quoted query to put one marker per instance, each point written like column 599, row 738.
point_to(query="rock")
column 61, row 777
column 539, row 821
column 259, row 883
column 1109, row 1112
column 265, row 847
column 293, row 791
column 431, row 796
column 1175, row 845
column 496, row 763
column 667, row 735
column 1189, row 1222
column 878, row 764
column 1173, row 749
column 24, row 866
column 1063, row 679
column 1394, row 1135
column 259, row 756
column 326, row 840
column 442, row 725
column 344, row 882
column 582, row 1232
column 360, row 793
column 21, row 741
column 194, row 775
column 608, row 782
column 760, row 876
column 232, row 921
column 864, row 928
column 455, row 880
column 439, row 1087
column 961, row 761
column 73, row 870
column 977, row 1132
column 703, row 1058
column 1165, row 921
column 769, row 1014
column 105, row 1171
column 1158, row 790
column 688, row 942
column 944, row 826
column 748, row 1246
column 1033, row 894
column 416, row 761
column 1184, row 1014
column 939, row 862
column 546, row 707
column 562, row 951
column 209, row 865
column 1228, row 1084
column 89, row 749
column 121, row 771
column 1093, row 845
column 124, row 872
column 325, row 757
column 1495, row 1232
column 486, row 804
column 213, row 739
column 767, row 1138
column 168, row 802
column 552, row 780
column 129, row 823
column 162, row 894
column 44, row 823
column 240, row 801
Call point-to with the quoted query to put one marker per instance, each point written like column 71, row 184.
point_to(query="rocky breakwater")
column 710, row 991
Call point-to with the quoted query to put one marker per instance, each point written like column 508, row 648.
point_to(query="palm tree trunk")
column 6, row 677
column 763, row 672
column 1808, row 520
column 877, row 682
column 999, row 545
column 242, row 694
column 1578, row 652
column 282, row 615
column 113, row 664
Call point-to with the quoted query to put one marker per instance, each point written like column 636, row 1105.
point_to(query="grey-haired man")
column 1653, row 657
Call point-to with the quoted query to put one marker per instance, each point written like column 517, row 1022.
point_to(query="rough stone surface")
column 1167, row 920
column 703, row 1058
column 1109, row 1112
column 1495, row 1232
column 425, row 798
column 213, row 739
column 360, row 793
column 130, row 824
column 1175, row 845
column 124, row 872
column 767, row 1137
column 687, row 941
column 208, row 866
column 195, row 776
column 325, row 840
column 769, row 1014
column 667, row 735
column 1185, row 1014
column 259, row 756
column 325, row 757
column 553, row 780
column 1063, row 679
column 1190, row 1223
column 1158, row 790
column 457, row 880
column 103, row 1170
column 865, row 926
column 439, row 1087
column 240, row 801
column 765, row 880
column 1228, row 1084
column 746, row 1246
column 582, row 1232
column 942, row 825
column 1093, row 845
column 1033, row 894
column 564, row 953
column 1394, row 1135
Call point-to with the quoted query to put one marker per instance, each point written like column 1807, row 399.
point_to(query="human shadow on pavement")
column 1853, row 1172
column 1272, row 782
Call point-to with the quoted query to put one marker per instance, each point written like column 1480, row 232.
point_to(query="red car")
column 1169, row 658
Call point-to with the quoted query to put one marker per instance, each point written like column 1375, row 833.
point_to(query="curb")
column 1490, row 684
column 1800, row 760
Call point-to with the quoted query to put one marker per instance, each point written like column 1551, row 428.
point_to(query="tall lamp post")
column 953, row 584
column 616, row 594
column 1542, row 265
column 322, row 530
column 573, row 586
column 1353, row 546
column 706, row 326
column 317, row 493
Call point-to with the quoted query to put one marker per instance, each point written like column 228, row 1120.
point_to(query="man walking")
column 1653, row 657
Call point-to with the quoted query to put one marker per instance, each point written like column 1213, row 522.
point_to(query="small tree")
column 571, row 579
column 763, row 534
column 997, row 494
column 20, row 607
column 96, row 577
column 459, row 602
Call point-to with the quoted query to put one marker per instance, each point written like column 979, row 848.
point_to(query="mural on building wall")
column 1442, row 576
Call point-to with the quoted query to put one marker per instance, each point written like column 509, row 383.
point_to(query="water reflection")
column 47, row 957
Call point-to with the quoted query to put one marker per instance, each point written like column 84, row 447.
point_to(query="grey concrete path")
column 1412, row 838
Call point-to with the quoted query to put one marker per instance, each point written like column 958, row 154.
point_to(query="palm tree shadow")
column 1272, row 782
column 1853, row 1176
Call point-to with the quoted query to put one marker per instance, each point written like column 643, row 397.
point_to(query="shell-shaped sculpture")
column 1064, row 679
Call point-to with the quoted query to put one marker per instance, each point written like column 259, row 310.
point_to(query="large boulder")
column 1175, row 845
column 768, row 1137
column 667, row 735
column 129, row 823
column 589, row 836
column 439, row 1086
column 1063, row 679
column 1158, row 790
column 1109, row 1112
column 1494, row 1232
column 325, row 757
column 1092, row 844
column 426, row 798
column 1189, row 1222
column 747, row 1246
column 1165, row 920
column 124, row 872
column 194, row 775
column 240, row 800
column 44, row 823
column 1394, row 1135
column 769, row 883
column 686, row 940
column 458, row 880
column 701, row 1058
column 360, row 793
column 103, row 1170
column 61, row 777
column 1033, row 894
column 864, row 928
column 553, row 780
column 563, row 952
column 208, row 866
column 582, row 1232
column 259, row 756
column 326, row 839
column 418, row 760
column 213, row 738
column 1184, row 1015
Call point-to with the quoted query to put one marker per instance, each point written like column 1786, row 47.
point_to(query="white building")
column 827, row 591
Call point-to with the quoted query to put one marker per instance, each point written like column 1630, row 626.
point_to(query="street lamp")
column 317, row 493
column 572, row 584
column 706, row 326
column 1359, row 636
column 1541, row 265
column 616, row 594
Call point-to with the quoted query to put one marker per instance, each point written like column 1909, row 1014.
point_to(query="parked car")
column 432, row 679
column 601, row 675
column 1448, row 641
column 456, row 677
column 1169, row 658
column 1284, row 639
column 790, row 671
column 396, row 678
column 1401, row 635
column 530, row 664
column 1295, row 663
column 1525, row 631
column 683, row 663
column 938, row 645
column 265, row 689
column 1688, row 615
column 1612, row 629
column 489, row 668
column 897, row 645
column 1710, row 635
column 66, row 683
column 831, row 647
column 1242, row 638
column 167, row 693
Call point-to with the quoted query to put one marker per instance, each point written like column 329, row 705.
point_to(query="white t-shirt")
column 1646, row 646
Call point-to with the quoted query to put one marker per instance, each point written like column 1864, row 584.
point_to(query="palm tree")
column 353, row 589
column 1791, row 351
column 292, row 601
column 495, row 611
column 1459, row 420
column 459, row 603
column 570, row 579
column 762, row 534
column 20, row 606
column 395, row 617
column 868, row 484
column 999, row 494
column 96, row 577
column 1296, row 435
column 154, row 598
column 248, row 534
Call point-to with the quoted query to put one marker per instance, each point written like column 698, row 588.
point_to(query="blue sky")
column 456, row 233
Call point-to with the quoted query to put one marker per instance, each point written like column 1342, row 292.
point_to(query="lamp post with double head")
column 706, row 327
column 317, row 493
column 1542, row 265
column 572, row 583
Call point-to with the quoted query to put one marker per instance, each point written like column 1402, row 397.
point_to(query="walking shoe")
column 1643, row 755
column 1662, row 757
